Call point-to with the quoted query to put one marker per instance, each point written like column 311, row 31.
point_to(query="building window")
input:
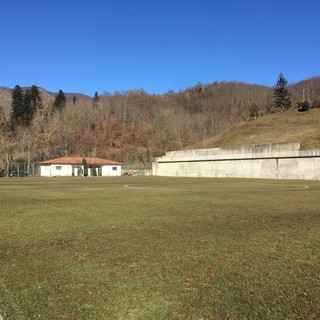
column 58, row 167
column 114, row 168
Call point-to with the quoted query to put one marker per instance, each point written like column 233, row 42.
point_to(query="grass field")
column 159, row 248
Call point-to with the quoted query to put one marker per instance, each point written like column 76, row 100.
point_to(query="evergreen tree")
column 33, row 102
column 281, row 95
column 36, row 98
column 60, row 101
column 95, row 100
column 28, row 112
column 17, row 107
column 85, row 167
column 254, row 111
column 304, row 106
column 24, row 105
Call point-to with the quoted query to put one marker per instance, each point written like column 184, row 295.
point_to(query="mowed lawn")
column 159, row 248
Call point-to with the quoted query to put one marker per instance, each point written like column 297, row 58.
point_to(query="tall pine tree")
column 33, row 102
column 17, row 107
column 281, row 95
column 85, row 167
column 60, row 101
column 36, row 98
column 28, row 112
column 95, row 100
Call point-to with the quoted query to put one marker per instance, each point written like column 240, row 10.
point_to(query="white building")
column 72, row 166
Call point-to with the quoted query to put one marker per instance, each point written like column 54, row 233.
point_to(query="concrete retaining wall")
column 272, row 161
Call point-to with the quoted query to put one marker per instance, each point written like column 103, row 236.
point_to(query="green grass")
column 159, row 248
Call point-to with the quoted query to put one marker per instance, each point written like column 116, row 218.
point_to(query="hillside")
column 133, row 127
column 287, row 126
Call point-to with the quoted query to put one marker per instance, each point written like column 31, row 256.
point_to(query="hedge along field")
column 159, row 248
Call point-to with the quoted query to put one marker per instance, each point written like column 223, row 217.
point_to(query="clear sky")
column 157, row 45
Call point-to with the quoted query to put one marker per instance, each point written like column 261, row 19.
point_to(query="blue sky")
column 157, row 45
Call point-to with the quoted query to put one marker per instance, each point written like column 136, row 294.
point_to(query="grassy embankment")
column 287, row 126
column 159, row 248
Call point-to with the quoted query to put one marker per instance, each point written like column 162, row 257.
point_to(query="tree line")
column 131, row 127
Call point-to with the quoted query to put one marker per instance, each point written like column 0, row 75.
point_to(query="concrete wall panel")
column 277, row 161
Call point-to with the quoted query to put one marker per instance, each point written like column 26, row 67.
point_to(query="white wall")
column 279, row 161
column 56, row 170
column 111, row 170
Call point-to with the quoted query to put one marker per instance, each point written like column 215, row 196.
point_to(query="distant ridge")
column 71, row 94
column 5, row 95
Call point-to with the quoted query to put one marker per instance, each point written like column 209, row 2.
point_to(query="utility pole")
column 28, row 164
column 7, row 164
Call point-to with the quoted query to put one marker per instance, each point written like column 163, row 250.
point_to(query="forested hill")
column 135, row 126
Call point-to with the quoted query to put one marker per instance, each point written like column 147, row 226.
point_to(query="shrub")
column 254, row 111
column 304, row 106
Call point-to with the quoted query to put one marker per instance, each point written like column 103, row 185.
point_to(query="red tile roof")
column 78, row 160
